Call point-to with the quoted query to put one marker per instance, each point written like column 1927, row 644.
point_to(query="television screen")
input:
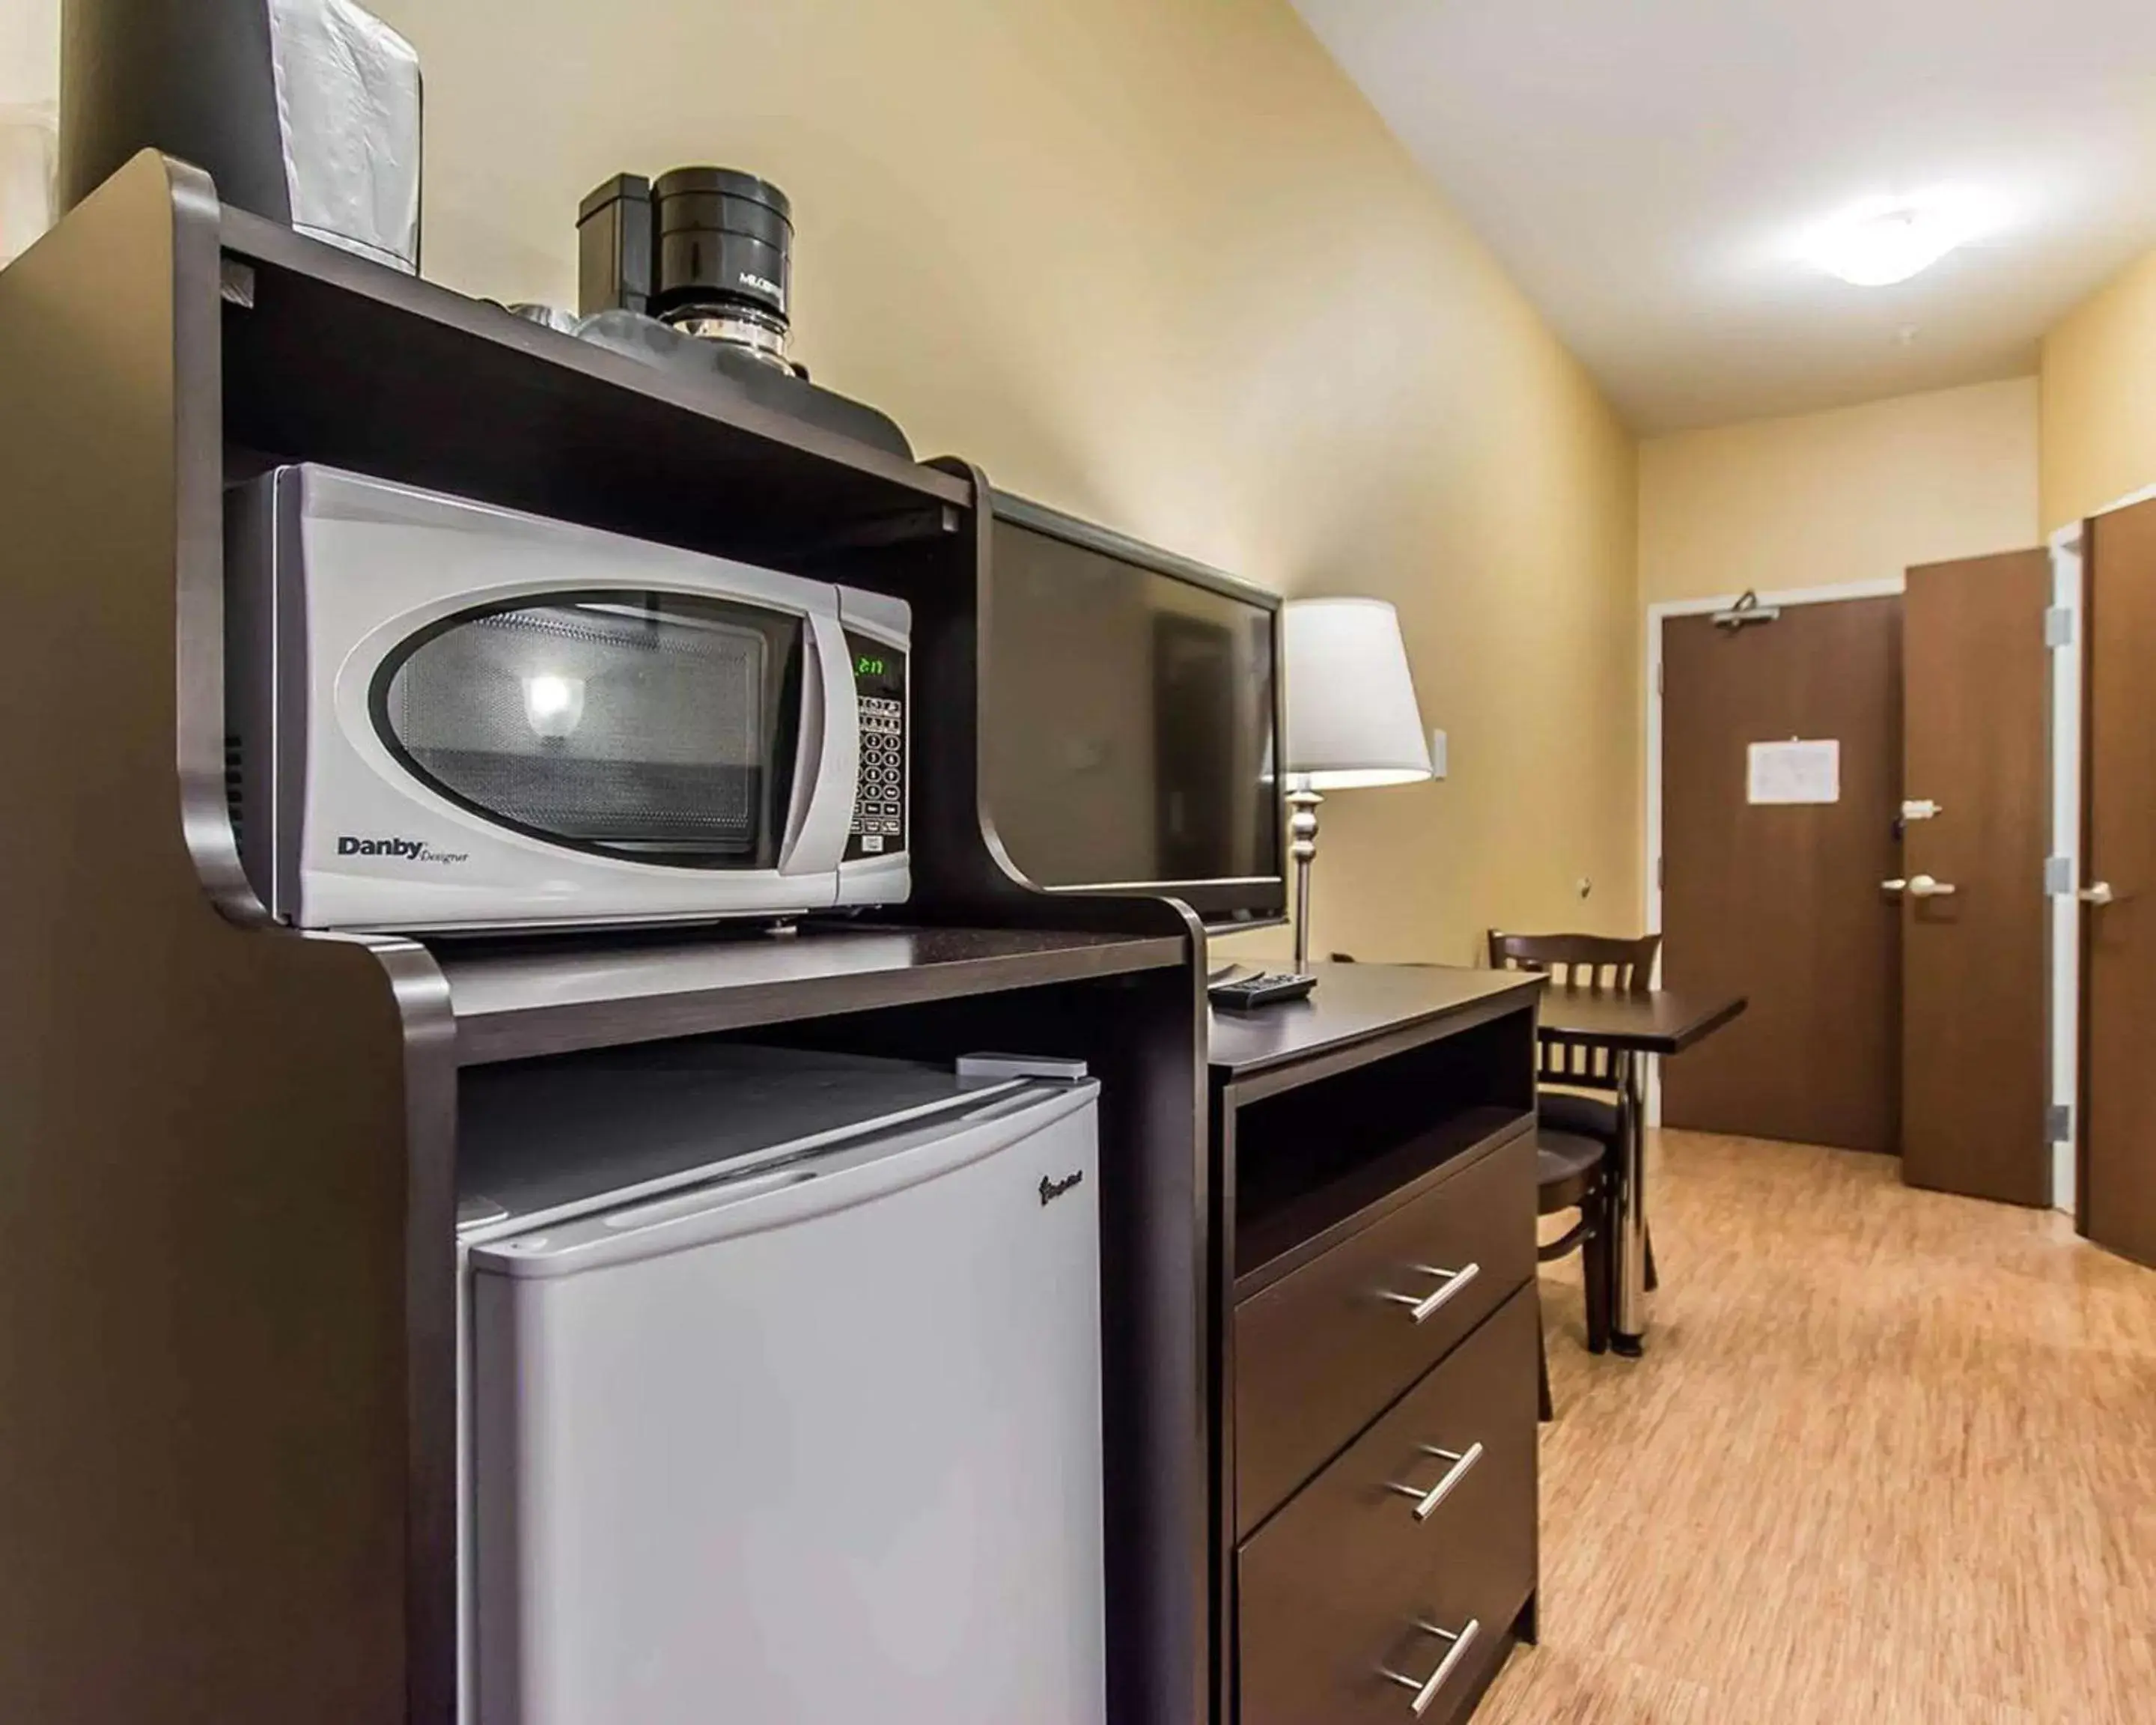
column 1129, row 718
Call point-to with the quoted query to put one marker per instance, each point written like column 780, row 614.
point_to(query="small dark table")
column 1634, row 1024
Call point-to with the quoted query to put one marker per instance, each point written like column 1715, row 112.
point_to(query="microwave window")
column 662, row 726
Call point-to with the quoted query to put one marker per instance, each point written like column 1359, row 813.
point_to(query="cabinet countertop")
column 1356, row 1003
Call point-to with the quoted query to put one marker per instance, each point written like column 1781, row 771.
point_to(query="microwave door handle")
column 827, row 770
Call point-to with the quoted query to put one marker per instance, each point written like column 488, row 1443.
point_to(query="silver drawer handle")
column 1455, row 1281
column 1426, row 1502
column 1426, row 1692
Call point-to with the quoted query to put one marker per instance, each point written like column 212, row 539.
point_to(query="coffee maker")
column 695, row 270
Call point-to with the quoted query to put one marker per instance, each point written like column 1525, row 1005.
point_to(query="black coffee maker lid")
column 765, row 202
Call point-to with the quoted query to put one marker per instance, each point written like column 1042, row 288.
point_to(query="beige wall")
column 1156, row 262
column 2099, row 383
column 1858, row 494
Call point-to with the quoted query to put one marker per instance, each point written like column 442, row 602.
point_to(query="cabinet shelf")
column 552, row 996
column 330, row 357
column 1270, row 1245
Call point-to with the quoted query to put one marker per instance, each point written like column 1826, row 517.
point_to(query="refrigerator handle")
column 726, row 1190
column 819, row 1181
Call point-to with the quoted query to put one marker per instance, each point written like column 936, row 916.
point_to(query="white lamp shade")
column 1352, row 717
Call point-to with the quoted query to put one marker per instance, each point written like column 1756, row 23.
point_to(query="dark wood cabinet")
column 261, row 1126
column 1375, row 1158
column 1334, row 1588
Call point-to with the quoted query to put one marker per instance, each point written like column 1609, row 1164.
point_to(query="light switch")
column 1437, row 754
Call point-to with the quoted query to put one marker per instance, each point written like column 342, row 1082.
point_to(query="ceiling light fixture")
column 1884, row 240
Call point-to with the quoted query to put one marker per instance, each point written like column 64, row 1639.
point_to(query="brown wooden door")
column 2117, row 1186
column 1975, row 1055
column 1782, row 902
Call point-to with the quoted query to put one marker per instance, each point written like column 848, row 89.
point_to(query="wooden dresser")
column 1373, row 1161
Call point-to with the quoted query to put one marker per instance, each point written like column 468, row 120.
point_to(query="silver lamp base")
column 1302, row 846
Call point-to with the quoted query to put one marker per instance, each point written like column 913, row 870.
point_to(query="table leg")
column 1630, row 1324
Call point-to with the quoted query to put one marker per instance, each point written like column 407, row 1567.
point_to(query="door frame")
column 2065, row 724
column 2069, row 594
column 2069, row 591
column 1651, row 825
column 2068, row 598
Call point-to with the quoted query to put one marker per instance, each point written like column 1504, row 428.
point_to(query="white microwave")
column 445, row 716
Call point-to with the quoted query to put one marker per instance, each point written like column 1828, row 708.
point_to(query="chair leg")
column 1545, row 1408
column 1654, row 1280
column 1599, row 1268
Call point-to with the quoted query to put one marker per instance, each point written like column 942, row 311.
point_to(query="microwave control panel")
column 878, row 828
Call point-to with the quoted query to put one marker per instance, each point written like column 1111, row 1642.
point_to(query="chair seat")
column 1568, row 1111
column 1568, row 1168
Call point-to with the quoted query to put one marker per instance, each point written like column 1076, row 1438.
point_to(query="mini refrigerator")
column 782, row 1395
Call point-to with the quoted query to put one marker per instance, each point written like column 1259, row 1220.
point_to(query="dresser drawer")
column 1323, row 1351
column 1346, row 1583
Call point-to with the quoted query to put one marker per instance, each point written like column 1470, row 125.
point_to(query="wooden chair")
column 1582, row 1124
column 1591, row 1096
column 1575, row 1173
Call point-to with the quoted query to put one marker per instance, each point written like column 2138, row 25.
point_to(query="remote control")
column 1240, row 993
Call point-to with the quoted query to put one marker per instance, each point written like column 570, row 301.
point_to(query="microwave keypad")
column 879, row 808
column 879, row 822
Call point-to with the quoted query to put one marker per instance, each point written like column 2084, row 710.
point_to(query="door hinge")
column 1662, row 871
column 1661, row 680
column 2059, row 1122
column 2059, row 876
column 2058, row 626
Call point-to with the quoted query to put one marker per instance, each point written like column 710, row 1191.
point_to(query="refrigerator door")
column 670, row 1116
column 818, row 1442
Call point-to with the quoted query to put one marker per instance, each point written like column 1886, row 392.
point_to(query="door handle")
column 1924, row 886
column 1894, row 885
column 2099, row 893
column 827, row 770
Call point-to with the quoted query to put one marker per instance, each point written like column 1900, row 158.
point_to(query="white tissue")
column 348, row 108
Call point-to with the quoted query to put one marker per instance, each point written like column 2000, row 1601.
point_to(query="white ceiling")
column 1643, row 168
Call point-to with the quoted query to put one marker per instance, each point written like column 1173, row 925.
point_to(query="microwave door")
column 638, row 726
column 827, row 770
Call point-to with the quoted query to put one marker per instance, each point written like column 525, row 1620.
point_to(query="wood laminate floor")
column 1890, row 1460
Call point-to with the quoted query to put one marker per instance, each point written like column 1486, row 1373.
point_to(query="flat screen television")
column 1131, row 718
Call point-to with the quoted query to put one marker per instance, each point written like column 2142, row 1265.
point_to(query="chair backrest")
column 1579, row 961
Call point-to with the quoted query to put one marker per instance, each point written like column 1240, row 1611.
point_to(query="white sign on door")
column 1793, row 771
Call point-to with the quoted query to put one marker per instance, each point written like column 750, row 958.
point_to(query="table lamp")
column 1351, row 721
